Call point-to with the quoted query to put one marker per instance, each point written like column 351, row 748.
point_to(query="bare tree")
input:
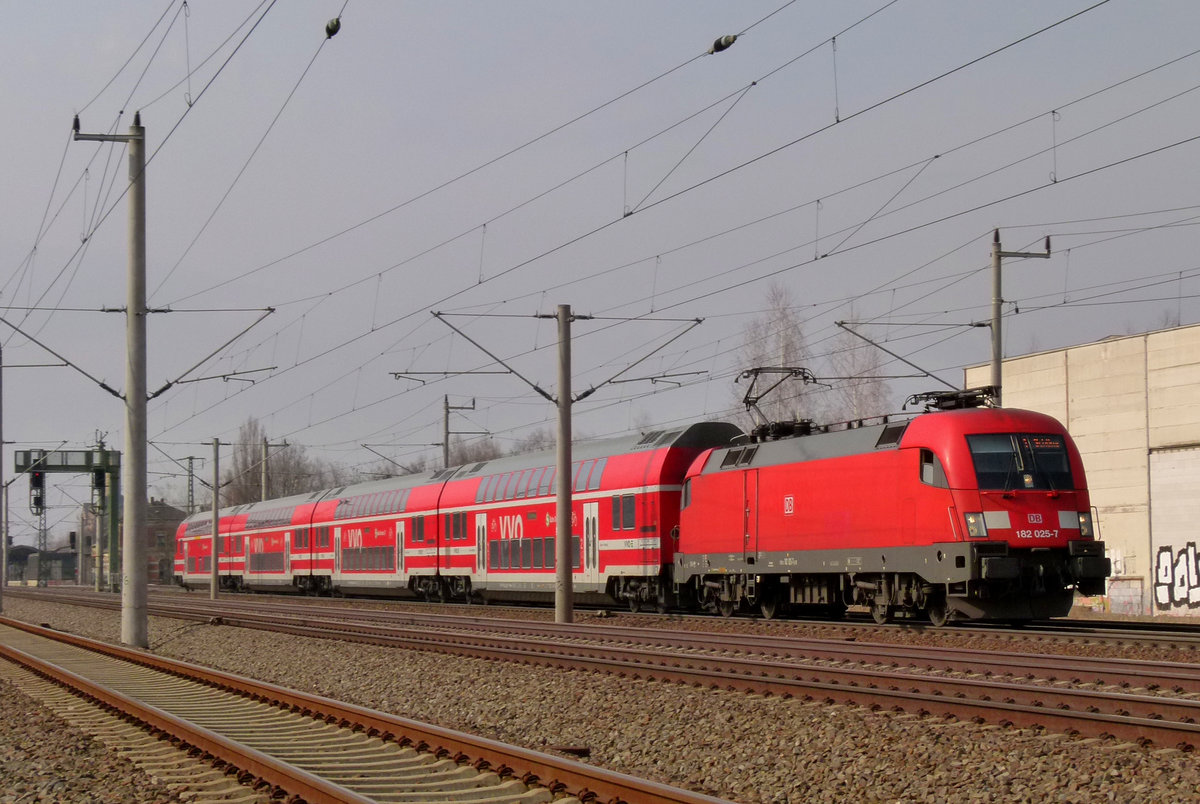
column 776, row 339
column 535, row 441
column 480, row 449
column 855, row 369
column 290, row 470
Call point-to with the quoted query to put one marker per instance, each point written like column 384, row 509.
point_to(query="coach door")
column 481, row 545
column 591, row 542
column 750, row 515
column 400, row 547
column 337, row 553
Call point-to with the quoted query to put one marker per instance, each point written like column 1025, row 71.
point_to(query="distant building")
column 18, row 563
column 162, row 520
column 1132, row 404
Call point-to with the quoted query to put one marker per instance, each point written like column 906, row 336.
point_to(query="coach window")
column 547, row 482
column 581, row 475
column 526, row 553
column 534, row 481
column 627, row 511
column 597, row 471
column 537, row 553
column 932, row 473
column 494, row 555
column 511, row 491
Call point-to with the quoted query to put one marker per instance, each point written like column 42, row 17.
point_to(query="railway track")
column 491, row 637
column 1181, row 638
column 311, row 749
column 1153, row 703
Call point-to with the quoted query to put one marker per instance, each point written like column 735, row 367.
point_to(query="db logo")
column 789, row 505
column 1035, row 519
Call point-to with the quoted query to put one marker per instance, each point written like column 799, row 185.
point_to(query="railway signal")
column 37, row 491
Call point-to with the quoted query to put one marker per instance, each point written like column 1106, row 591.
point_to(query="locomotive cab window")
column 1009, row 461
column 932, row 473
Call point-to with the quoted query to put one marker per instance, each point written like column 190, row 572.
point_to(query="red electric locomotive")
column 970, row 513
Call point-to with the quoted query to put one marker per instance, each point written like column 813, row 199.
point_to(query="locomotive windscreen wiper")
column 1014, row 464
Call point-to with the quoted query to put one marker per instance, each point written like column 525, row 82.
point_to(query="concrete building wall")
column 1133, row 406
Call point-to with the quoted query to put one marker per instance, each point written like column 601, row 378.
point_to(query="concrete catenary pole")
column 4, row 544
column 563, row 590
column 134, row 624
column 214, row 579
column 133, row 542
column 998, row 303
column 4, row 534
column 446, row 431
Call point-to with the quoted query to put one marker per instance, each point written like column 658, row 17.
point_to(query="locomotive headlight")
column 1085, row 524
column 976, row 528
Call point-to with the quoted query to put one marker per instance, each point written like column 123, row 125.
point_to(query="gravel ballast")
column 746, row 748
column 43, row 759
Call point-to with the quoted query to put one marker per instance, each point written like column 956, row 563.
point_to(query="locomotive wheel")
column 726, row 607
column 881, row 613
column 938, row 612
column 768, row 607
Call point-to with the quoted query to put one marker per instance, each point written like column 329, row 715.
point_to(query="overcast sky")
column 493, row 160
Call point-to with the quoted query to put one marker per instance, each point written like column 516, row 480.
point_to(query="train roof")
column 390, row 495
column 694, row 436
column 892, row 433
column 812, row 447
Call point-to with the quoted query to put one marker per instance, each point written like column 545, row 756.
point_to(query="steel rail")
column 1137, row 718
column 1178, row 676
column 585, row 782
column 1161, row 715
column 282, row 777
column 1155, row 719
column 1181, row 636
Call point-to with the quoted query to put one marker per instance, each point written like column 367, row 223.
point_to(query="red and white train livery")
column 486, row 528
column 971, row 514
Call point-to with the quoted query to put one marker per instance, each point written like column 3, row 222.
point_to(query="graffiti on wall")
column 1176, row 578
